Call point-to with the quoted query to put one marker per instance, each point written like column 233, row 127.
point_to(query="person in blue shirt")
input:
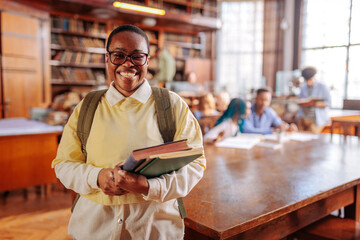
column 313, row 114
column 263, row 119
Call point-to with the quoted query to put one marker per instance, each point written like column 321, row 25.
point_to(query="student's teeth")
column 127, row 74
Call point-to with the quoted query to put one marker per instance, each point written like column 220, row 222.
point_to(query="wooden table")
column 25, row 159
column 268, row 194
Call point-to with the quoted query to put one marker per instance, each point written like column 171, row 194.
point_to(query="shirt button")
column 120, row 221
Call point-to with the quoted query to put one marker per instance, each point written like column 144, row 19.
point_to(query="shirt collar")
column 253, row 110
column 142, row 94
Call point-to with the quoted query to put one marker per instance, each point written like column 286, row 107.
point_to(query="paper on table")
column 271, row 145
column 241, row 142
column 303, row 137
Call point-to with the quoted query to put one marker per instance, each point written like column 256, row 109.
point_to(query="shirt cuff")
column 93, row 177
column 154, row 190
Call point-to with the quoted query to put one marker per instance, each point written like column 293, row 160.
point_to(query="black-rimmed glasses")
column 118, row 58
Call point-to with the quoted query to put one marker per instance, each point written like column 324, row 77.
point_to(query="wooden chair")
column 351, row 104
column 331, row 227
column 346, row 126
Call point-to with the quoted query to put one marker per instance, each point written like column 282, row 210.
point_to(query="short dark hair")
column 308, row 72
column 262, row 90
column 127, row 28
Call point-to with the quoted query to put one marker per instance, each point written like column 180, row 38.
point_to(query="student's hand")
column 130, row 182
column 219, row 137
column 106, row 183
column 283, row 127
column 292, row 128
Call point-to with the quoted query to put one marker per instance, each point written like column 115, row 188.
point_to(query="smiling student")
column 116, row 204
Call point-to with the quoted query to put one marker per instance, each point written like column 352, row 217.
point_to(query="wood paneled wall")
column 25, row 79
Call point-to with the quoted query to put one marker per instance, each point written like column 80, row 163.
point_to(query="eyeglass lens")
column 138, row 59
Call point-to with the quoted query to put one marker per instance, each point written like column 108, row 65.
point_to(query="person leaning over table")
column 116, row 204
column 231, row 121
column 314, row 116
column 263, row 119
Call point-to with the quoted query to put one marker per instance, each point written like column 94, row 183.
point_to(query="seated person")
column 313, row 114
column 207, row 107
column 263, row 119
column 230, row 123
column 222, row 100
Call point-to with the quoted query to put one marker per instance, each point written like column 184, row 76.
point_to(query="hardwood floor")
column 35, row 215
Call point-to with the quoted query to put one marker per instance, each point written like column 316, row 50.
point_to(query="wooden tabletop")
column 243, row 189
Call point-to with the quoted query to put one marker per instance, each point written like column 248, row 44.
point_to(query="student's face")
column 263, row 100
column 310, row 82
column 127, row 77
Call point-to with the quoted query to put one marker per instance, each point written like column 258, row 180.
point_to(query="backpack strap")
column 164, row 112
column 86, row 117
column 167, row 127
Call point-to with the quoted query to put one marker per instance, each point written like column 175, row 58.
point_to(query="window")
column 240, row 47
column 331, row 43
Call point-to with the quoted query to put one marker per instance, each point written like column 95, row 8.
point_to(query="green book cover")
column 159, row 166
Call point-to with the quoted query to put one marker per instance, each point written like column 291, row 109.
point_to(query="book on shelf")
column 55, row 39
column 78, row 57
column 85, row 58
column 66, row 56
column 100, row 77
column 90, row 74
column 57, row 55
column 55, row 22
column 151, row 35
column 65, row 24
column 160, row 159
column 97, row 58
column 56, row 74
column 153, row 49
column 77, row 25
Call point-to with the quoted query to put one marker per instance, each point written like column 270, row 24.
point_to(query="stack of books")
column 161, row 159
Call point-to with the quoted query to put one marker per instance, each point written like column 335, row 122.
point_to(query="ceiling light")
column 139, row 8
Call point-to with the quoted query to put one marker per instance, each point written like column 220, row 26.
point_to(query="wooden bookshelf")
column 77, row 37
column 38, row 33
column 77, row 51
column 206, row 8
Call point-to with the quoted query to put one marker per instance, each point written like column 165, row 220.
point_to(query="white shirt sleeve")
column 79, row 177
column 227, row 126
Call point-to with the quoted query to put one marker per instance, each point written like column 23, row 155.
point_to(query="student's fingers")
column 119, row 165
column 131, row 182
column 106, row 175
